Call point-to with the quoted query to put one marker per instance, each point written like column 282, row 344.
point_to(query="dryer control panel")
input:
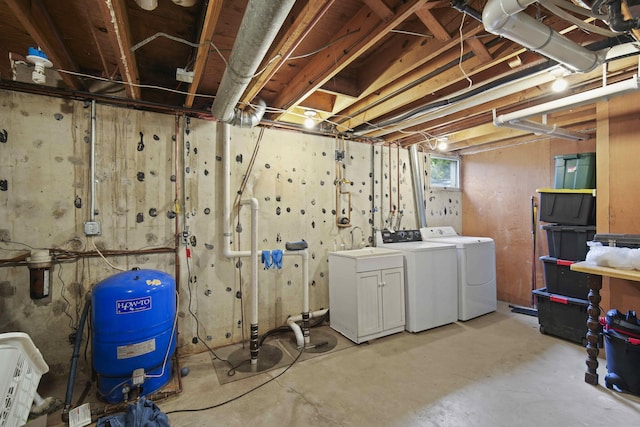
column 402, row 236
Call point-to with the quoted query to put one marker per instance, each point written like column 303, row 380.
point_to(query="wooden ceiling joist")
column 367, row 30
column 116, row 20
column 210, row 20
column 304, row 23
column 36, row 20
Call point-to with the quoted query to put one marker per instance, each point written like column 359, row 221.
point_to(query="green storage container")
column 575, row 171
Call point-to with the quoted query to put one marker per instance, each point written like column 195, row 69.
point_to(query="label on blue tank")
column 134, row 350
column 126, row 306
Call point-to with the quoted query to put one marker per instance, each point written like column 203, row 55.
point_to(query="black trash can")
column 622, row 345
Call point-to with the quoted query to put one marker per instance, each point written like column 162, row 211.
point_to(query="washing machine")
column 476, row 270
column 431, row 278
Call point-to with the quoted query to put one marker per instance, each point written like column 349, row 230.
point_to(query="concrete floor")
column 496, row 370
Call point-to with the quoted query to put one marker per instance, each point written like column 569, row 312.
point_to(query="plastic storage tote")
column 21, row 367
column 562, row 316
column 560, row 279
column 569, row 241
column 568, row 207
column 575, row 171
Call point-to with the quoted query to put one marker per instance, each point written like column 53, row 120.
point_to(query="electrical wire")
column 105, row 260
column 233, row 399
column 466, row 76
column 195, row 317
column 72, row 323
column 173, row 332
column 226, row 63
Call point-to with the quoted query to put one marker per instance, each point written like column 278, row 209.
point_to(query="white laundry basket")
column 21, row 367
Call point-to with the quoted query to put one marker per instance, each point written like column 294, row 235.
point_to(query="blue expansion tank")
column 134, row 326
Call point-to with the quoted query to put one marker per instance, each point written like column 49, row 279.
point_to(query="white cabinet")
column 366, row 293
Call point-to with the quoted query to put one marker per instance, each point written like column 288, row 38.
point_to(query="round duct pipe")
column 185, row 3
column 147, row 4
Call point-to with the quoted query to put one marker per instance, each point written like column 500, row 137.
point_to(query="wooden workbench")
column 593, row 310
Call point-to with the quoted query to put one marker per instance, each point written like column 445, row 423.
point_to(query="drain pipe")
column 223, row 133
column 506, row 18
column 418, row 188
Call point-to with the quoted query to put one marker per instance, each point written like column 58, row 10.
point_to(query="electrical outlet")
column 138, row 377
column 92, row 228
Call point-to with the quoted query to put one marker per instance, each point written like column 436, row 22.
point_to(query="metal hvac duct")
column 260, row 25
column 507, row 18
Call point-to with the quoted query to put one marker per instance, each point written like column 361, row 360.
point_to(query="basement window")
column 444, row 172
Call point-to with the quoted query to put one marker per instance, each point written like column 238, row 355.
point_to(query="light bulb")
column 309, row 123
column 559, row 84
column 442, row 145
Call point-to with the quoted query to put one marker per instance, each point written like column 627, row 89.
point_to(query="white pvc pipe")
column 576, row 100
column 223, row 133
column 543, row 129
column 254, row 258
column 301, row 340
column 507, row 18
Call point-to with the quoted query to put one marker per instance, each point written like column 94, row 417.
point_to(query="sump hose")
column 74, row 360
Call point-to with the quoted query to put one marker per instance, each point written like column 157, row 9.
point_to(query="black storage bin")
column 619, row 240
column 568, row 207
column 561, row 280
column 623, row 361
column 569, row 241
column 562, row 316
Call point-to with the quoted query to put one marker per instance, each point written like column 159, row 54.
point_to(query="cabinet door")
column 392, row 298
column 369, row 303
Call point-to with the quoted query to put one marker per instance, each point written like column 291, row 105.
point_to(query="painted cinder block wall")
column 159, row 176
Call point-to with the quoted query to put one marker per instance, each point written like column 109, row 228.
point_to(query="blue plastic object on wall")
column 133, row 318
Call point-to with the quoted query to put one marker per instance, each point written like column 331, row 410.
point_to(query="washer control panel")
column 400, row 236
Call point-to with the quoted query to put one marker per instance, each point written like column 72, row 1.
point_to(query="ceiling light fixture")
column 443, row 143
column 560, row 84
column 309, row 121
column 40, row 61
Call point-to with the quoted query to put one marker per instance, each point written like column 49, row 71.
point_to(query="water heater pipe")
column 507, row 18
column 223, row 130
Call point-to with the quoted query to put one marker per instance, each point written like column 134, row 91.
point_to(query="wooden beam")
column 479, row 49
column 320, row 101
column 379, row 8
column 210, row 21
column 430, row 21
column 304, row 23
column 390, row 101
column 365, row 29
column 116, row 21
column 392, row 74
column 36, row 20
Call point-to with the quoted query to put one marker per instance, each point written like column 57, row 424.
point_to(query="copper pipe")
column 177, row 195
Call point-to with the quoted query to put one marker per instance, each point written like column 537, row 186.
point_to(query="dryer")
column 431, row 278
column 476, row 270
